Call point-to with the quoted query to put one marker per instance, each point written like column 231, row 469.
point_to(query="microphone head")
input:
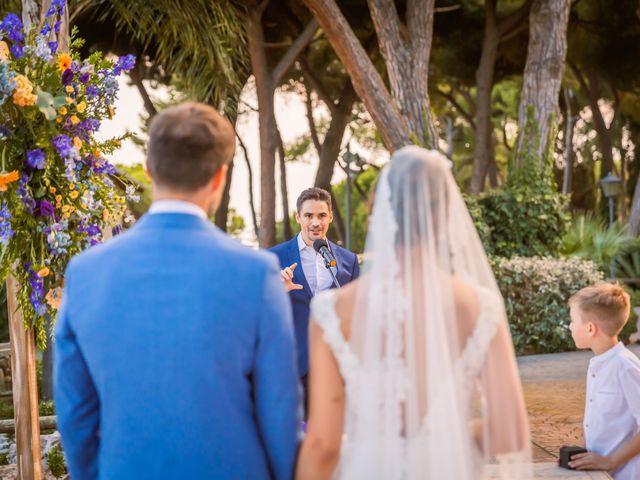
column 318, row 244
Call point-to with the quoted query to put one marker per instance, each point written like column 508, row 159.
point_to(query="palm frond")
column 201, row 42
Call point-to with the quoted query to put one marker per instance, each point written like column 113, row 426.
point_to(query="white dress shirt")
column 318, row 276
column 612, row 411
column 177, row 206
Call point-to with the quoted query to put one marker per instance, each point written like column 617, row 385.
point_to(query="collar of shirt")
column 177, row 206
column 603, row 357
column 302, row 245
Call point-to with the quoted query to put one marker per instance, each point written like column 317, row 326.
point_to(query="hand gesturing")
column 287, row 276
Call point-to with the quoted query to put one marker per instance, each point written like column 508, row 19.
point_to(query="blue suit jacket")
column 175, row 358
column 348, row 270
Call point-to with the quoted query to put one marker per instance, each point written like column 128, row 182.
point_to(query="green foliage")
column 139, row 175
column 536, row 290
column 56, row 463
column 475, row 210
column 6, row 409
column 4, row 458
column 202, row 43
column 526, row 217
column 46, row 408
column 359, row 206
column 590, row 238
column 235, row 223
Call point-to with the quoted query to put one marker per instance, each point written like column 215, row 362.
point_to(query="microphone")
column 322, row 248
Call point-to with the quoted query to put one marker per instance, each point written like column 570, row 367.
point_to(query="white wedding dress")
column 416, row 379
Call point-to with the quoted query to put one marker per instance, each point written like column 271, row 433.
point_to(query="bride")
column 413, row 374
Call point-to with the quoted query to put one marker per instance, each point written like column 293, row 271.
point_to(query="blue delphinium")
column 7, row 82
column 6, row 232
column 58, row 238
column 36, row 159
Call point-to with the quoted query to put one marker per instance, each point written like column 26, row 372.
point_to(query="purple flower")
column 16, row 50
column 67, row 76
column 64, row 145
column 56, row 27
column 25, row 197
column 36, row 159
column 125, row 63
column 6, row 232
column 53, row 46
column 12, row 26
column 44, row 209
column 92, row 91
column 75, row 66
column 84, row 78
column 46, row 30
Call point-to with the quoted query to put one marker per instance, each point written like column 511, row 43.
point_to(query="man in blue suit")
column 303, row 270
column 175, row 349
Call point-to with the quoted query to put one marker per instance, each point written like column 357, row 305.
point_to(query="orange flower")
column 112, row 111
column 4, row 51
column 53, row 298
column 75, row 194
column 77, row 142
column 82, row 106
column 23, row 93
column 74, row 120
column 64, row 62
column 7, row 178
column 43, row 272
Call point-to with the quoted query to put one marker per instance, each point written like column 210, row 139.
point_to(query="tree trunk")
column 222, row 213
column 604, row 134
column 568, row 141
column 252, row 203
column 546, row 54
column 266, row 120
column 634, row 216
column 366, row 80
column 484, row 82
column 286, row 221
column 340, row 118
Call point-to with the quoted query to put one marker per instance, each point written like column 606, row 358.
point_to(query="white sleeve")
column 630, row 384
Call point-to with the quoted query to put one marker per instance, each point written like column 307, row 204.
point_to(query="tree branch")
column 511, row 21
column 317, row 85
column 467, row 116
column 312, row 123
column 294, row 51
column 136, row 78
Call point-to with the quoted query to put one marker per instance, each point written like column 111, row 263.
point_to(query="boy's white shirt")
column 612, row 410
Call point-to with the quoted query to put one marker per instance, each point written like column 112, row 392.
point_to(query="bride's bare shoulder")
column 467, row 302
column 346, row 298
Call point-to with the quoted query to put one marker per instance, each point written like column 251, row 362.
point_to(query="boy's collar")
column 612, row 352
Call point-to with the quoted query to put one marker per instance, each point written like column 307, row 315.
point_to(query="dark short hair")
column 313, row 193
column 188, row 144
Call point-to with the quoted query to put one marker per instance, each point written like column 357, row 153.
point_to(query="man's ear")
column 298, row 218
column 146, row 170
column 219, row 178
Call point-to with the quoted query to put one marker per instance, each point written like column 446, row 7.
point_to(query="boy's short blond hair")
column 606, row 304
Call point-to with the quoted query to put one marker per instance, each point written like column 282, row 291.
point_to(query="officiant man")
column 303, row 269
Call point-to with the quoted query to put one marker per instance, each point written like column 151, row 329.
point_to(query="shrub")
column 56, row 463
column 536, row 290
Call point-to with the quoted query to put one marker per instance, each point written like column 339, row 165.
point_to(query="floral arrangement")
column 57, row 190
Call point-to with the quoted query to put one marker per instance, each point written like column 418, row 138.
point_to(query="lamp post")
column 611, row 188
column 352, row 167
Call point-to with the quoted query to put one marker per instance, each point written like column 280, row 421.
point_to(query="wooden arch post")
column 23, row 351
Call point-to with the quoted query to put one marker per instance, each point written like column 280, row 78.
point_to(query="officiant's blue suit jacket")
column 175, row 358
column 348, row 270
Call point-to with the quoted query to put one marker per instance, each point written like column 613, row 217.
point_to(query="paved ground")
column 554, row 389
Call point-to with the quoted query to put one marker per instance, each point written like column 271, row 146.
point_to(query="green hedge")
column 536, row 290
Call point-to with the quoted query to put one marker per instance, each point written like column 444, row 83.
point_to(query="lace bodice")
column 467, row 370
column 470, row 362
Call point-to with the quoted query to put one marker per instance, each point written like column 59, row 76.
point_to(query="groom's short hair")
column 313, row 193
column 188, row 143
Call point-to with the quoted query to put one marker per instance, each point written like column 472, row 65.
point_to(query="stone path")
column 554, row 389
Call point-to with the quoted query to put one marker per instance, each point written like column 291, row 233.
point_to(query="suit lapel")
column 298, row 273
column 342, row 267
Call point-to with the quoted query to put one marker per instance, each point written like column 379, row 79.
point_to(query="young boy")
column 612, row 410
